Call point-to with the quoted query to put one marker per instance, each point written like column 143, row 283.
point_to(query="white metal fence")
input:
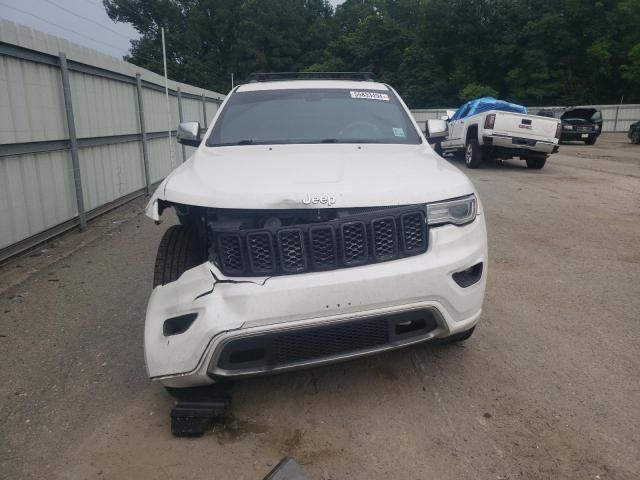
column 616, row 118
column 80, row 132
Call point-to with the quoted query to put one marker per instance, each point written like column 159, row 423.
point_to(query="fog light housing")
column 178, row 325
column 468, row 277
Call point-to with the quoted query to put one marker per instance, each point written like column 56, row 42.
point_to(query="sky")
column 79, row 21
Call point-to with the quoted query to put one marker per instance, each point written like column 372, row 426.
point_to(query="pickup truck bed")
column 502, row 135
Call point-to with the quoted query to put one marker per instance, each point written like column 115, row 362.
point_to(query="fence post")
column 204, row 111
column 73, row 141
column 143, row 133
column 184, row 153
column 615, row 124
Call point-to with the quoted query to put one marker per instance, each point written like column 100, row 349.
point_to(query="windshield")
column 313, row 116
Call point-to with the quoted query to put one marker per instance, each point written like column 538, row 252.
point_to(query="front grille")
column 413, row 238
column 261, row 252
column 358, row 239
column 584, row 129
column 354, row 243
column 318, row 343
column 231, row 253
column 323, row 243
column 384, row 238
column 291, row 249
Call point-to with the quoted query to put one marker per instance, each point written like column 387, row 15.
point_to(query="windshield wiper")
column 330, row 140
column 248, row 141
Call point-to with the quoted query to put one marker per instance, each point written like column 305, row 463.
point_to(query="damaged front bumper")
column 222, row 311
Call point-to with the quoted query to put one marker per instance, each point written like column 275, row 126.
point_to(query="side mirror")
column 436, row 129
column 189, row 134
column 444, row 118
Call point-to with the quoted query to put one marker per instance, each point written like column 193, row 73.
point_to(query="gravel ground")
column 548, row 387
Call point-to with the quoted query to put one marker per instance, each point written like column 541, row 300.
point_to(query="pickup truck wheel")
column 179, row 250
column 590, row 140
column 635, row 137
column 473, row 154
column 536, row 163
column 438, row 148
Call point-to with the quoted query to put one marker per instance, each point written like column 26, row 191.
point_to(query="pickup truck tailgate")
column 519, row 125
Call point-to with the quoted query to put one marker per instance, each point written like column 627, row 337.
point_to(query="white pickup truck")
column 488, row 128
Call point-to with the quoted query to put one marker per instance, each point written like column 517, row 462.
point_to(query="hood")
column 313, row 176
column 578, row 115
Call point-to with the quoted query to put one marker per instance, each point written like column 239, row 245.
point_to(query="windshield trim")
column 408, row 117
column 306, row 142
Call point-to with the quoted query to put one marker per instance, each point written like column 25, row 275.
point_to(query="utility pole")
column 166, row 94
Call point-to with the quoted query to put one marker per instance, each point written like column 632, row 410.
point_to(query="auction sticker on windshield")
column 370, row 95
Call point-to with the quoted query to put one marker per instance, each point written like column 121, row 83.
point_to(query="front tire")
column 635, row 137
column 473, row 154
column 536, row 163
column 179, row 250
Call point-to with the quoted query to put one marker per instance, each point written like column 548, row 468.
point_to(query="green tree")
column 434, row 52
column 631, row 71
column 420, row 78
column 473, row 90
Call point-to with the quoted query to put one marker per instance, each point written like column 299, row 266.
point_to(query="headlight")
column 568, row 127
column 596, row 127
column 460, row 211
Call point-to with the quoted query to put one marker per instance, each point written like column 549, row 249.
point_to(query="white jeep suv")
column 316, row 225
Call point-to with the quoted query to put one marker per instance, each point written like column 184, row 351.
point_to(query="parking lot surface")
column 548, row 386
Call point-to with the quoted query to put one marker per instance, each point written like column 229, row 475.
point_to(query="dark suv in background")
column 581, row 124
column 634, row 132
column 578, row 124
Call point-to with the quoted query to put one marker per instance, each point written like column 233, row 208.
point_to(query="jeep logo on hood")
column 317, row 199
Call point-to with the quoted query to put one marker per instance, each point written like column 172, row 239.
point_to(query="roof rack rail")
column 280, row 76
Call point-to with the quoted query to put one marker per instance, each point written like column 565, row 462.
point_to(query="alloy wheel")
column 468, row 154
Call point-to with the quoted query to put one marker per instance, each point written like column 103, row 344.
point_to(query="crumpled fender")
column 152, row 210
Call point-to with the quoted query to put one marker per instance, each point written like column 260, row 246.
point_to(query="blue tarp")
column 484, row 104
